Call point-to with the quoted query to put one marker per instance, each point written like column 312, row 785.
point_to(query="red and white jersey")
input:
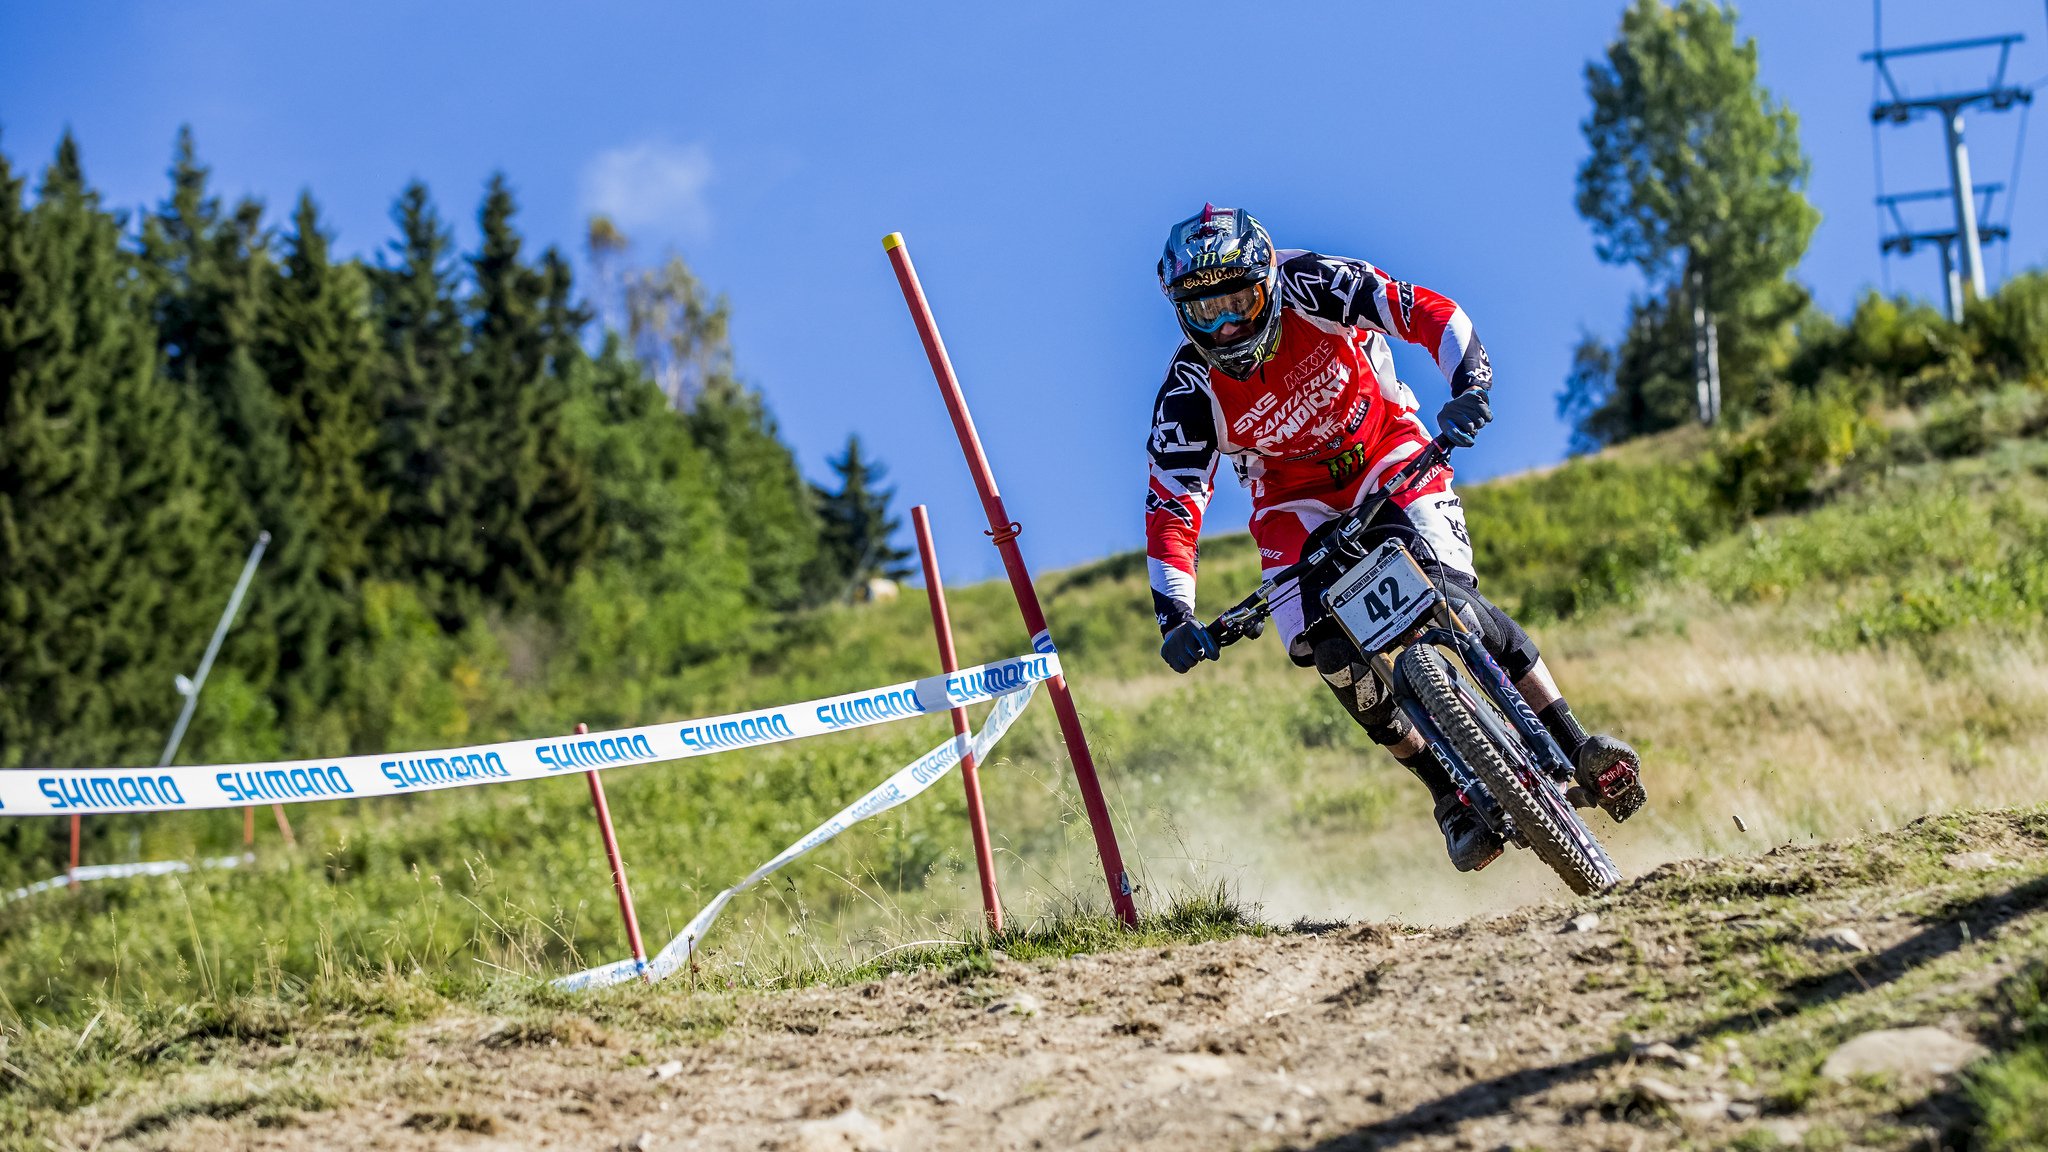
column 1317, row 425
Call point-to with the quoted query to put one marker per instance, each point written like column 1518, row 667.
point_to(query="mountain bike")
column 1503, row 761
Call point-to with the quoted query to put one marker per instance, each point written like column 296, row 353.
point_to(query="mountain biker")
column 1285, row 369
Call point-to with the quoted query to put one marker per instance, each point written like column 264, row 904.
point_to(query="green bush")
column 2010, row 329
column 1791, row 459
column 1967, row 425
column 1591, row 532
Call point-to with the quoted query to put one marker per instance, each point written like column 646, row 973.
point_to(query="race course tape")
column 91, row 872
column 42, row 792
column 921, row 774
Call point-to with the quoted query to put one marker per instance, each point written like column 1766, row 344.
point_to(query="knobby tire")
column 1585, row 872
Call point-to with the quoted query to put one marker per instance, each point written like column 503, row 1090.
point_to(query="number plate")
column 1381, row 598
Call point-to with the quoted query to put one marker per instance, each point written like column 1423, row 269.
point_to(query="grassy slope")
column 1816, row 675
column 1504, row 1031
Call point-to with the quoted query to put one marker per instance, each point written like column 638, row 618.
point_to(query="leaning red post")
column 618, row 863
column 73, row 872
column 942, row 624
column 1003, row 531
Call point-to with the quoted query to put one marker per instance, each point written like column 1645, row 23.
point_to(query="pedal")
column 1621, row 791
column 1610, row 771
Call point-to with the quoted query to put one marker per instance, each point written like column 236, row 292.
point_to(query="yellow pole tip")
column 892, row 241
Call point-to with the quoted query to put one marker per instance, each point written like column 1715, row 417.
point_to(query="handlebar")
column 1246, row 619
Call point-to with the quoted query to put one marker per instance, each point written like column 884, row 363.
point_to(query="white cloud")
column 651, row 190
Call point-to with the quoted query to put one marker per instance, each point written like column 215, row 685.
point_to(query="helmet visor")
column 1209, row 313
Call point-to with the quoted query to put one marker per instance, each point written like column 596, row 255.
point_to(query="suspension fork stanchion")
column 1494, row 683
column 1003, row 531
column 970, row 772
column 618, row 863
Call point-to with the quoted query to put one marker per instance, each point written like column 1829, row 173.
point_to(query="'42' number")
column 1380, row 610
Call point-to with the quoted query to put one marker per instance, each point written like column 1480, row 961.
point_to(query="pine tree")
column 533, row 506
column 106, row 526
column 319, row 353
column 768, row 506
column 855, row 527
column 427, row 538
column 207, row 270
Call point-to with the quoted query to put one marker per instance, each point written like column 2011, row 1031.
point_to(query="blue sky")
column 1033, row 155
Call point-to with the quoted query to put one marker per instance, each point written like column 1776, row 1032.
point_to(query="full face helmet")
column 1221, row 273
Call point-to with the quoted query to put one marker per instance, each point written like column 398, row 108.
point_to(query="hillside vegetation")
column 1869, row 649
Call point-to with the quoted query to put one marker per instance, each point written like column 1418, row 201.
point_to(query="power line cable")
column 1884, row 259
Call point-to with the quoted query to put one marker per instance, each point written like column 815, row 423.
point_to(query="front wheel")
column 1554, row 831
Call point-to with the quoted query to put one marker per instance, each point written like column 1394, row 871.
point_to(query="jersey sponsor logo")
column 1480, row 370
column 874, row 706
column 1167, row 436
column 591, row 753
column 1346, row 464
column 1406, row 292
column 285, row 784
column 418, row 771
column 110, row 791
column 1303, row 283
column 1309, row 283
column 1272, row 554
column 1154, row 502
column 1260, row 407
column 1311, row 365
column 1344, row 284
column 1316, row 398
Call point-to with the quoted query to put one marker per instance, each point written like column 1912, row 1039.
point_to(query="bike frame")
column 1535, row 750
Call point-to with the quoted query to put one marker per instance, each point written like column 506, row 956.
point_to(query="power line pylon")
column 1905, row 239
column 1967, row 238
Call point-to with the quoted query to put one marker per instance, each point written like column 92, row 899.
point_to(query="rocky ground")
column 1745, row 1001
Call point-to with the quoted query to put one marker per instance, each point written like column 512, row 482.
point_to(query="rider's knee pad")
column 1392, row 730
column 1359, row 690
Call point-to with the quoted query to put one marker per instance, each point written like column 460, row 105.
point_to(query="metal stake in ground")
column 189, row 689
column 942, row 624
column 1003, row 531
column 618, row 863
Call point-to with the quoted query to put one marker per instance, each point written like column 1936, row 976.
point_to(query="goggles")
column 1208, row 313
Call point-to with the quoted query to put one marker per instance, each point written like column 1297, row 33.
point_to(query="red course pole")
column 970, row 773
column 611, row 853
column 73, row 872
column 1003, row 531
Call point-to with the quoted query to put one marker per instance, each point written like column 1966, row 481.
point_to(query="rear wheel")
column 1554, row 832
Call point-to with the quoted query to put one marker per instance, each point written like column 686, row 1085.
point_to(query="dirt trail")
column 1516, row 1031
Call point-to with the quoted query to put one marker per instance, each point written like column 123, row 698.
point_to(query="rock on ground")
column 1903, row 1054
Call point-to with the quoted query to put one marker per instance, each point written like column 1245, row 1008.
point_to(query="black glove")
column 1461, row 419
column 1186, row 646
